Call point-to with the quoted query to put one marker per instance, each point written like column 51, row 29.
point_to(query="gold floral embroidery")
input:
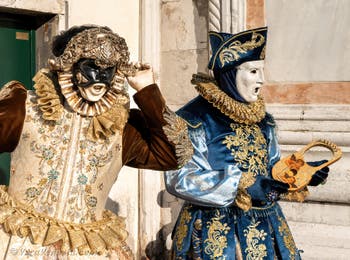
column 235, row 49
column 44, row 194
column 240, row 112
column 255, row 249
column 287, row 237
column 249, row 150
column 217, row 239
column 176, row 131
column 182, row 228
column 82, row 202
column 46, row 190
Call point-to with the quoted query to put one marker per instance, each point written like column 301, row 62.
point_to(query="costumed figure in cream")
column 69, row 139
column 231, row 210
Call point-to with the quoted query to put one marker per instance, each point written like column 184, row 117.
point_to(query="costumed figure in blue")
column 230, row 209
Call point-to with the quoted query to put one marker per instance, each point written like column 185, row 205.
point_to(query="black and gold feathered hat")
column 231, row 50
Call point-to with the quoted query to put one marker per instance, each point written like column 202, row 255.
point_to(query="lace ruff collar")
column 250, row 113
column 108, row 115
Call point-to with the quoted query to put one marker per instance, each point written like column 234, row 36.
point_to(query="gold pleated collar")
column 243, row 113
column 115, row 94
column 108, row 116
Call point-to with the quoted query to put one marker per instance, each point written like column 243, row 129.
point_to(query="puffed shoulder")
column 13, row 90
column 12, row 113
column 192, row 111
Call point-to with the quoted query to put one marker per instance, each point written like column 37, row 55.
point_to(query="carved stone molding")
column 150, row 34
column 299, row 124
column 150, row 182
column 227, row 15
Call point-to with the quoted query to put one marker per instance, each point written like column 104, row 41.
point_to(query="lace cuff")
column 177, row 133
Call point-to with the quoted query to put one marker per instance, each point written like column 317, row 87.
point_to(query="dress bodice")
column 56, row 169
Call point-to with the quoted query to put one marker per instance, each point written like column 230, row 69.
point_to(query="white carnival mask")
column 250, row 79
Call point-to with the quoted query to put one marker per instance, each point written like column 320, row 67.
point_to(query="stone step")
column 317, row 213
column 321, row 241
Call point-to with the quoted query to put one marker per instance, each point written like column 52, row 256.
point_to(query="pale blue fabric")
column 200, row 184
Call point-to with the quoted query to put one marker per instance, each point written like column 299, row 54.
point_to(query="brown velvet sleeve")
column 145, row 144
column 12, row 112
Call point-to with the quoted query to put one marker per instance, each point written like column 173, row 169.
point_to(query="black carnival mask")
column 86, row 73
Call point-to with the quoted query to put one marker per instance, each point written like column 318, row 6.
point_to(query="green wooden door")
column 17, row 62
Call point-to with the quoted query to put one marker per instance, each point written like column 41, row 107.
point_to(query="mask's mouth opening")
column 98, row 87
column 257, row 90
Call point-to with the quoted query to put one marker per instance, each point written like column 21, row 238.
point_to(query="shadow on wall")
column 112, row 206
column 159, row 249
column 201, row 12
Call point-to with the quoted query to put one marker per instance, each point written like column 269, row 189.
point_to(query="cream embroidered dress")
column 64, row 164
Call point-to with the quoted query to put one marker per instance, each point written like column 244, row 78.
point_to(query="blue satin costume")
column 216, row 222
column 209, row 224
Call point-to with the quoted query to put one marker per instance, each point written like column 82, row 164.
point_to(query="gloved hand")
column 266, row 190
column 321, row 175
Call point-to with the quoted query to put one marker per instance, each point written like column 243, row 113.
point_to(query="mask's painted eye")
column 253, row 71
column 80, row 77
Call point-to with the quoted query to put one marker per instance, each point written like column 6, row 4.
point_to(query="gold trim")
column 191, row 125
column 264, row 208
column 91, row 238
column 287, row 237
column 176, row 131
column 231, row 39
column 250, row 113
column 106, row 48
column 233, row 51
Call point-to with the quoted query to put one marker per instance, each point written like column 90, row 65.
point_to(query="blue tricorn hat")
column 231, row 50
